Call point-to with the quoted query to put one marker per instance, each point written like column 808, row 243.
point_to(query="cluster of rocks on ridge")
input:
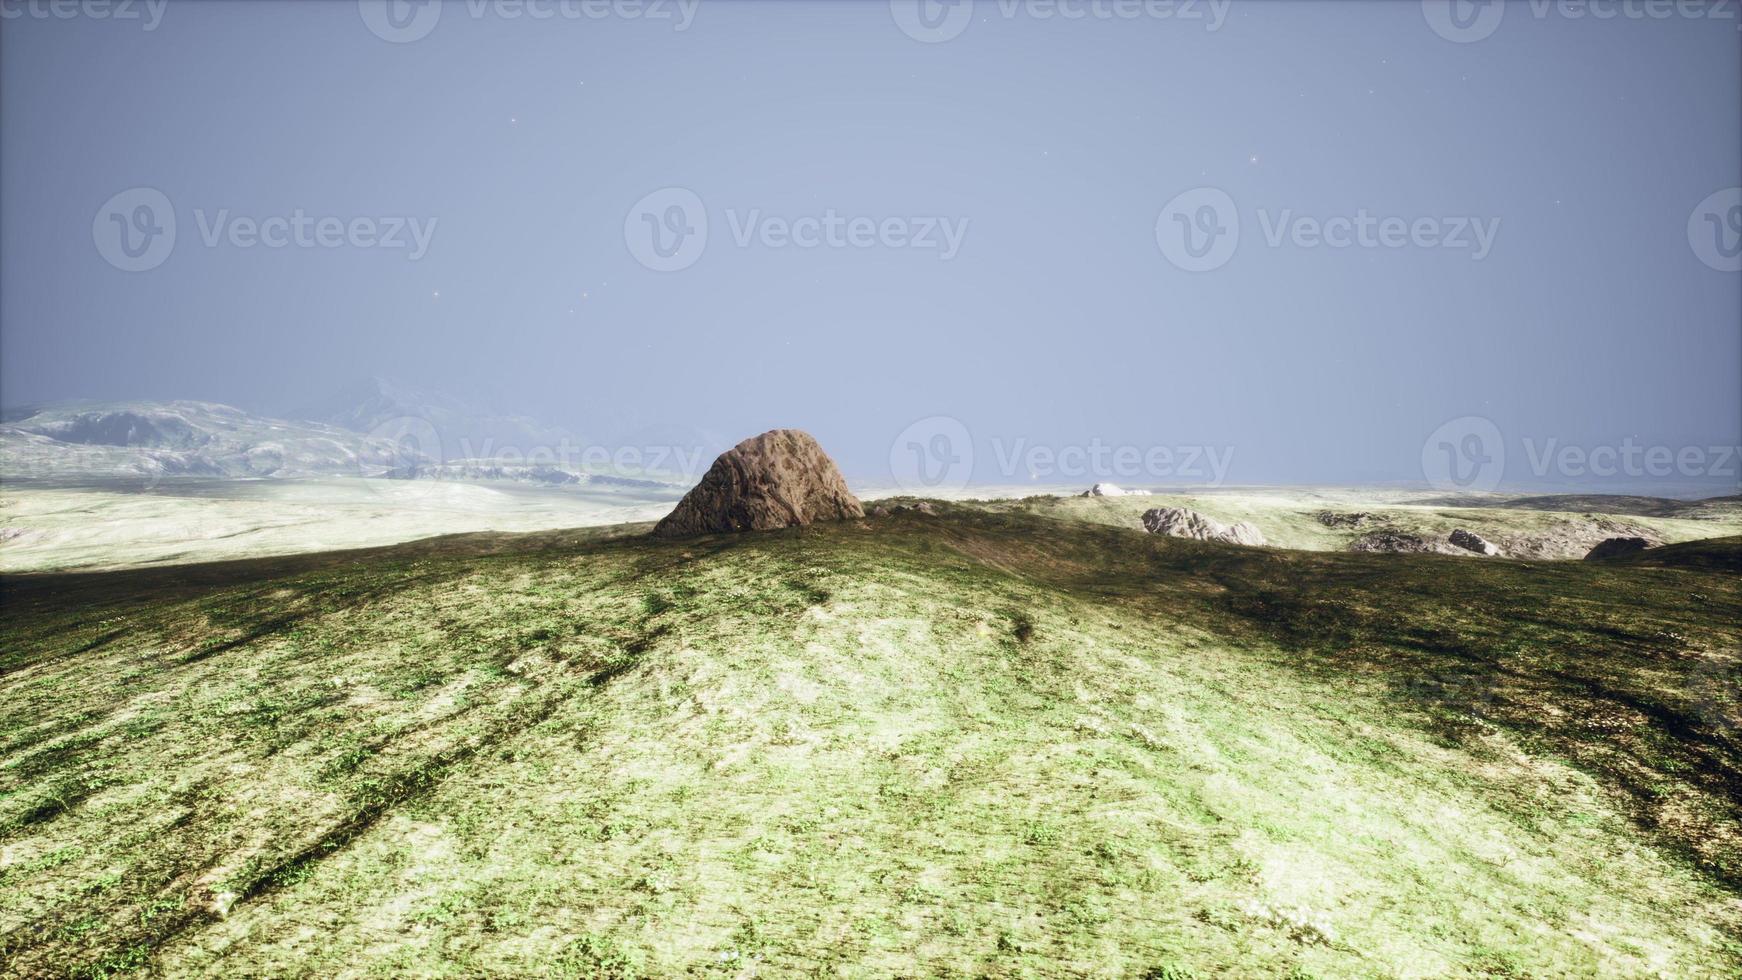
column 925, row 507
column 1563, row 538
column 1396, row 542
column 1178, row 522
column 1392, row 541
column 781, row 478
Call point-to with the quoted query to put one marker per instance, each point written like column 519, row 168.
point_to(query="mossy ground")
column 986, row 742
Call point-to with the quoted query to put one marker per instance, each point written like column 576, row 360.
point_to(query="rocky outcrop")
column 1337, row 518
column 1177, row 522
column 778, row 479
column 1617, row 547
column 1395, row 542
column 1471, row 541
column 1573, row 536
column 925, row 507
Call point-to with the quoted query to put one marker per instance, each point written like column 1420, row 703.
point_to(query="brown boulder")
column 778, row 479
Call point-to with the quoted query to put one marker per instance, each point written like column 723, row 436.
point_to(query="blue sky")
column 984, row 221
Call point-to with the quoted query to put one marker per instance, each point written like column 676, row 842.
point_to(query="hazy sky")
column 1521, row 214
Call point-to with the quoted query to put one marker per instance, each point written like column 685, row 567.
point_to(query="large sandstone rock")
column 1616, row 547
column 1177, row 522
column 777, row 479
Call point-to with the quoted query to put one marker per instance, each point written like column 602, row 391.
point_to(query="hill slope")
column 978, row 743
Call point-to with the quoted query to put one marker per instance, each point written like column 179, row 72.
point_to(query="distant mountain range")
column 183, row 438
column 373, row 428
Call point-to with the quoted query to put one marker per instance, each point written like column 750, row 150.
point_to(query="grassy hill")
column 993, row 741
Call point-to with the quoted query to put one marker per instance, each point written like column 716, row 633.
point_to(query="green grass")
column 990, row 742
